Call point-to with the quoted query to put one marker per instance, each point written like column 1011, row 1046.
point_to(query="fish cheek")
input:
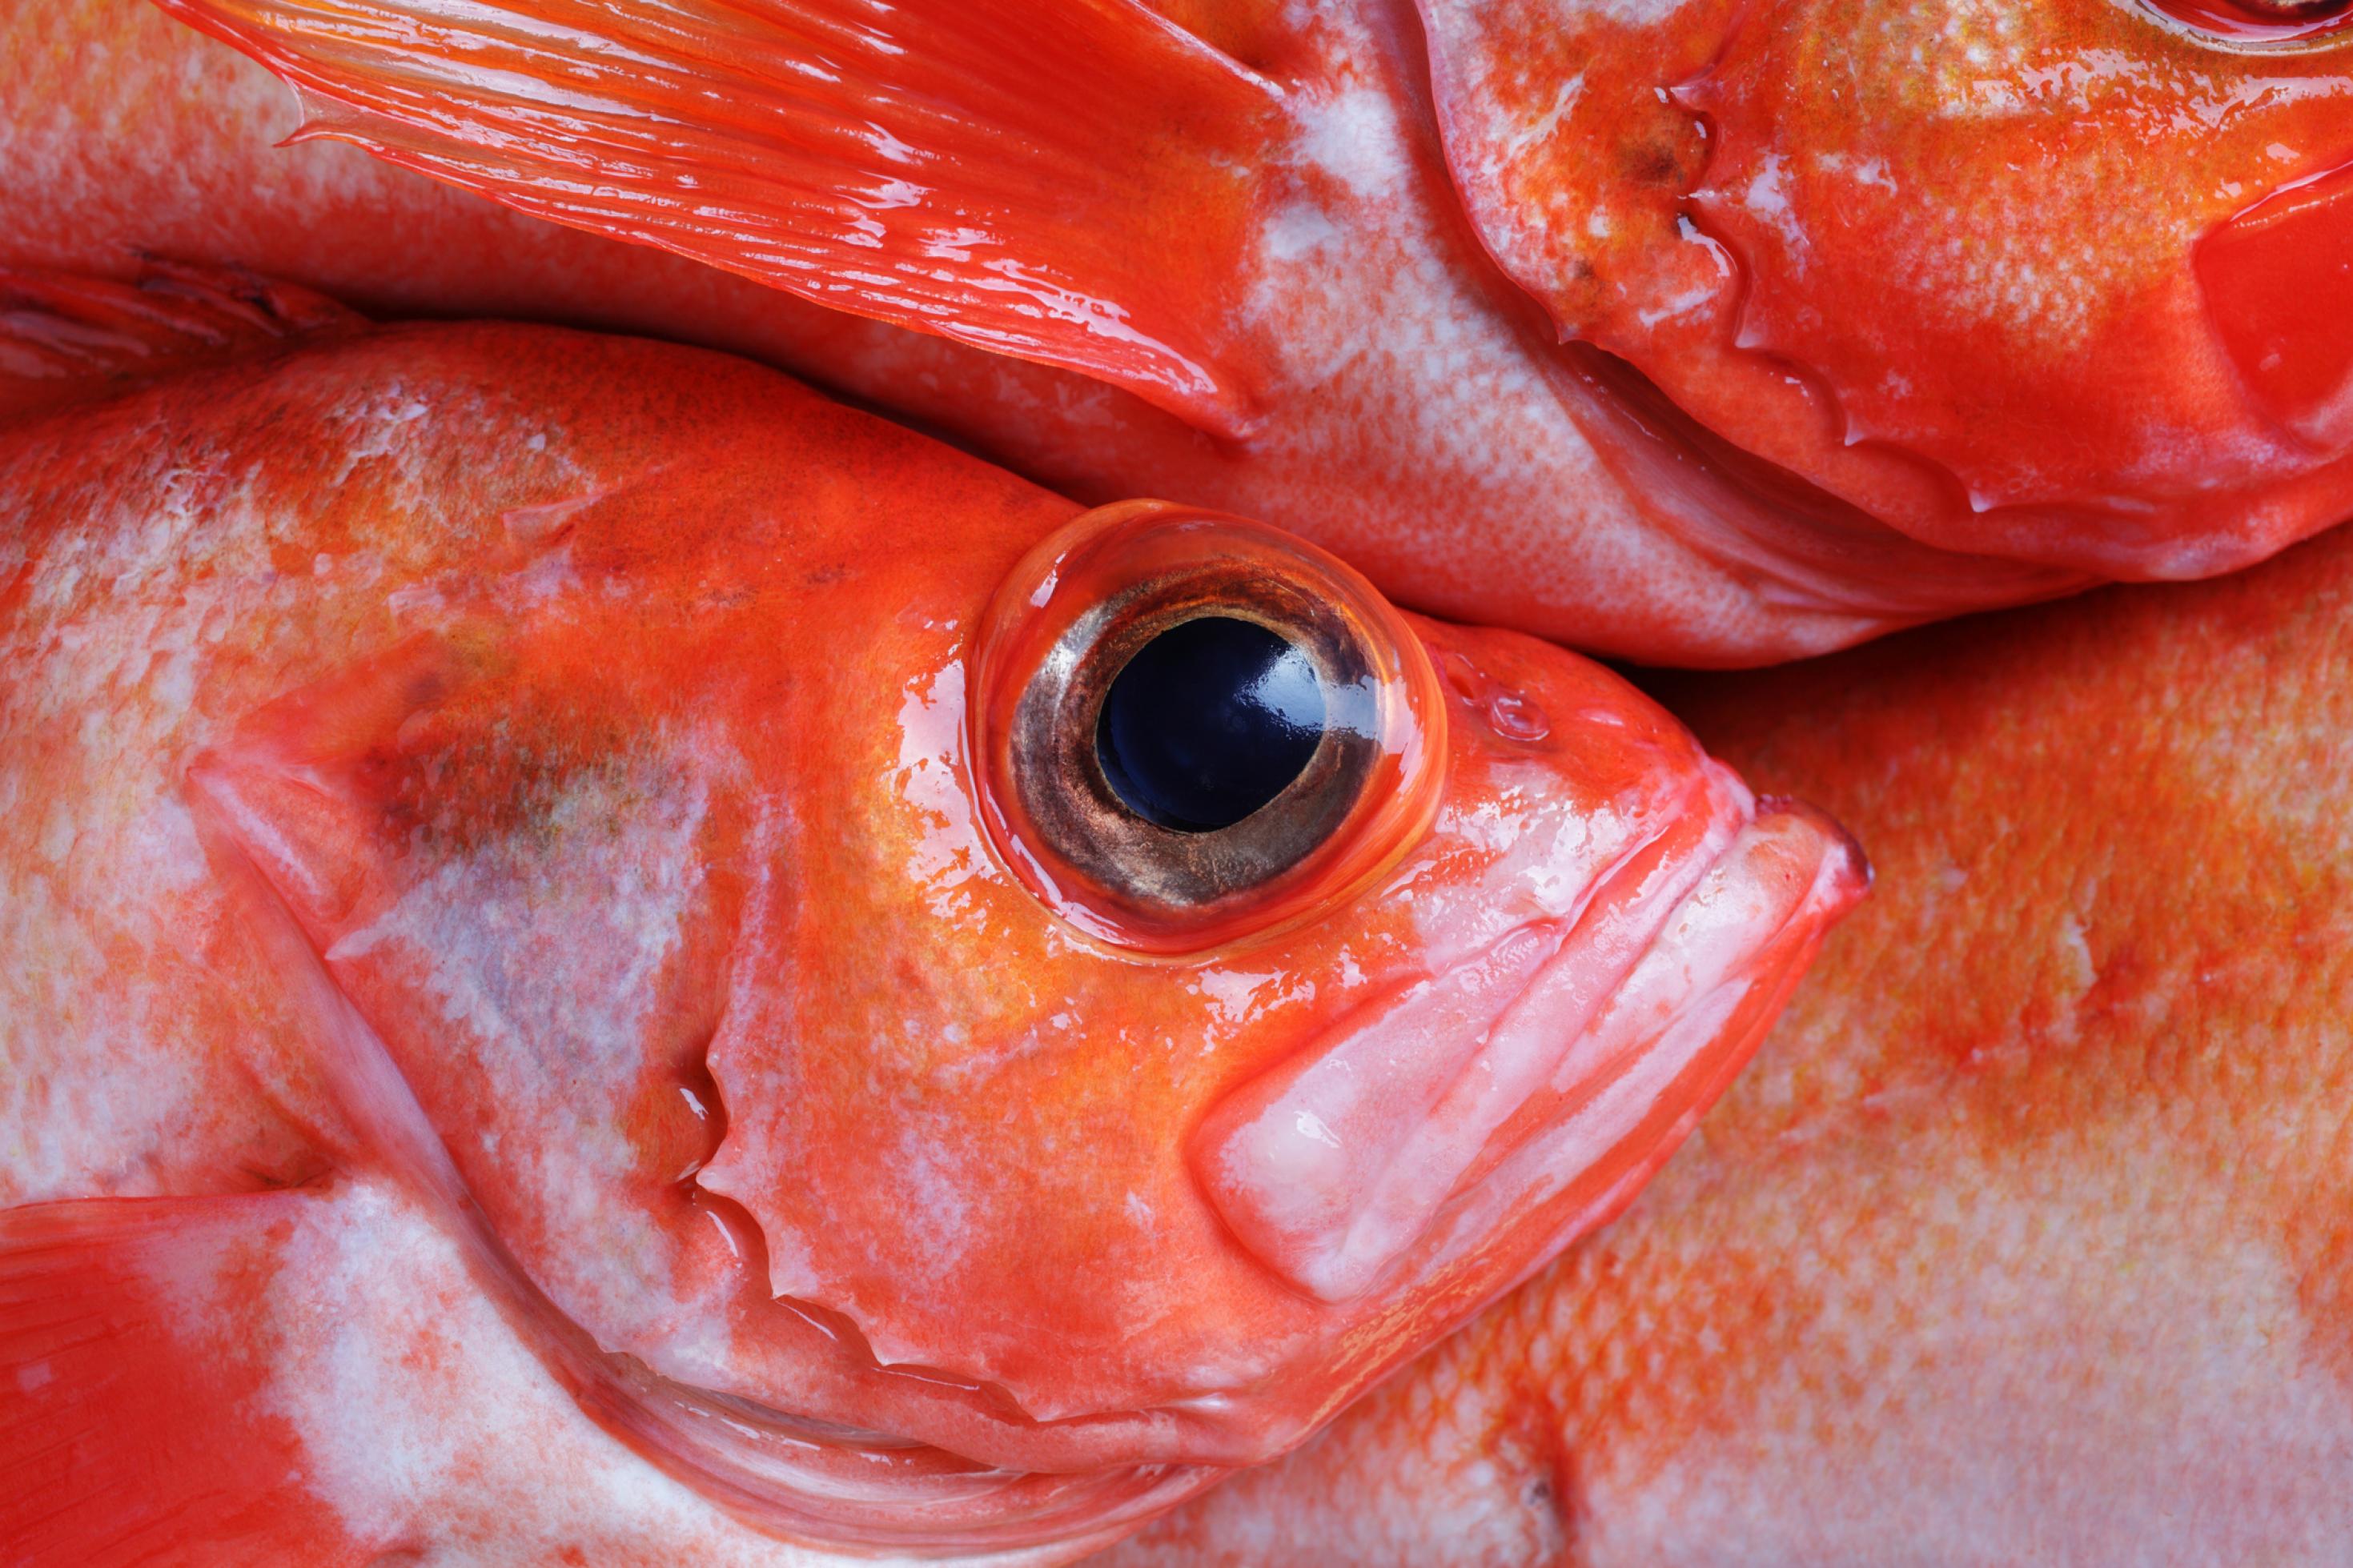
column 1570, row 156
column 1974, row 234
column 946, row 1113
column 508, row 854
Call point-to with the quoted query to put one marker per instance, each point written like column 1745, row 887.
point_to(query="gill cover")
column 2052, row 281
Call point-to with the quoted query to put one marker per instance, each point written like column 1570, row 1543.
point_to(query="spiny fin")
column 133, row 1423
column 1064, row 181
column 67, row 338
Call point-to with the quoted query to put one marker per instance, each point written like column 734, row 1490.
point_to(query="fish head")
column 1194, row 985
column 2049, row 282
column 868, row 939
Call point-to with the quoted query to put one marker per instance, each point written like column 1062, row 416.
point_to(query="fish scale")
column 530, row 818
column 2024, row 1238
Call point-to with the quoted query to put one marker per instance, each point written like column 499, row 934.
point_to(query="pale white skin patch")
column 427, row 1422
column 2050, row 1415
column 543, row 951
column 1453, row 411
column 80, row 867
column 106, row 900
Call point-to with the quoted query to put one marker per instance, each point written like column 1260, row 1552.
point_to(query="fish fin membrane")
column 135, row 1425
column 1064, row 181
column 67, row 338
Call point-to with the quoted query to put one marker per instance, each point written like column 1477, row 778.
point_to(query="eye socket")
column 1194, row 728
column 2261, row 23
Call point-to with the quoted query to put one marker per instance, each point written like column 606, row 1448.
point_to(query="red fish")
column 590, row 930
column 1697, row 332
column 2029, row 1236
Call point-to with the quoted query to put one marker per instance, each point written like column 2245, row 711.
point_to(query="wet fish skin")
column 505, row 800
column 1599, row 461
column 2025, row 1239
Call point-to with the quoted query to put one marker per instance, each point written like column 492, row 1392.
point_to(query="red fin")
column 1066, row 180
column 133, row 1425
column 66, row 338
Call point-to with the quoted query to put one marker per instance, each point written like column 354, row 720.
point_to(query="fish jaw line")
column 1671, row 1039
column 1803, row 548
column 802, row 1479
column 1338, row 1168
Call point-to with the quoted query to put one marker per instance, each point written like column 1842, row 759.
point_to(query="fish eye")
column 1210, row 722
column 2259, row 24
column 1192, row 728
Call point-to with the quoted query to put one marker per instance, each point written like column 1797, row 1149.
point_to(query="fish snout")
column 1565, row 1060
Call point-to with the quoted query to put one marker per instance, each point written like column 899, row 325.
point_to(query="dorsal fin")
column 67, row 338
column 1067, row 181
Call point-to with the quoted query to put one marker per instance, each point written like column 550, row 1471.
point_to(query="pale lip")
column 1541, row 1054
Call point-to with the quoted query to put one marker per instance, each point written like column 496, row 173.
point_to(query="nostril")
column 1512, row 714
column 1516, row 717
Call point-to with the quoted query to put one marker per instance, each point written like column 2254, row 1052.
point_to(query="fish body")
column 647, row 852
column 1695, row 334
column 2025, row 1239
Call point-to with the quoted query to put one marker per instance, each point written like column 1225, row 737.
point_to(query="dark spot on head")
column 1656, row 162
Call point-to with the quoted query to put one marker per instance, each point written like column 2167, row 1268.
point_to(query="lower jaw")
column 1802, row 549
column 765, row 1467
column 1643, row 1087
column 1729, row 949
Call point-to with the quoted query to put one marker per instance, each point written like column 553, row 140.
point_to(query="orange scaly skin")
column 514, row 788
column 1936, row 337
column 2028, row 1238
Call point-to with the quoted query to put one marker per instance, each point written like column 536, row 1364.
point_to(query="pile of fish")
column 801, row 781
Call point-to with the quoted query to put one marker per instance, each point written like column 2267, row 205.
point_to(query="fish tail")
column 1064, row 181
column 135, row 1417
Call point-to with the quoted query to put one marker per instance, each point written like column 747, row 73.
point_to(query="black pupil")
column 1208, row 722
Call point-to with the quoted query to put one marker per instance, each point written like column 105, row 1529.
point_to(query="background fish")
column 1695, row 333
column 2028, row 1238
column 584, row 923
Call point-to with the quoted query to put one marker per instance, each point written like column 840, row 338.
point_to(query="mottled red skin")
column 575, row 726
column 1952, row 263
column 2026, row 1239
column 1412, row 405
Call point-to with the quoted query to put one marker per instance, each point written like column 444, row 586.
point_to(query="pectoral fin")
column 136, row 1368
column 1066, row 180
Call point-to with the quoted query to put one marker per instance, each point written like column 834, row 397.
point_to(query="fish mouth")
column 1799, row 547
column 1418, row 1131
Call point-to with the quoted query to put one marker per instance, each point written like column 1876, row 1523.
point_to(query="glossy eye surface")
column 1193, row 728
column 1209, row 723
